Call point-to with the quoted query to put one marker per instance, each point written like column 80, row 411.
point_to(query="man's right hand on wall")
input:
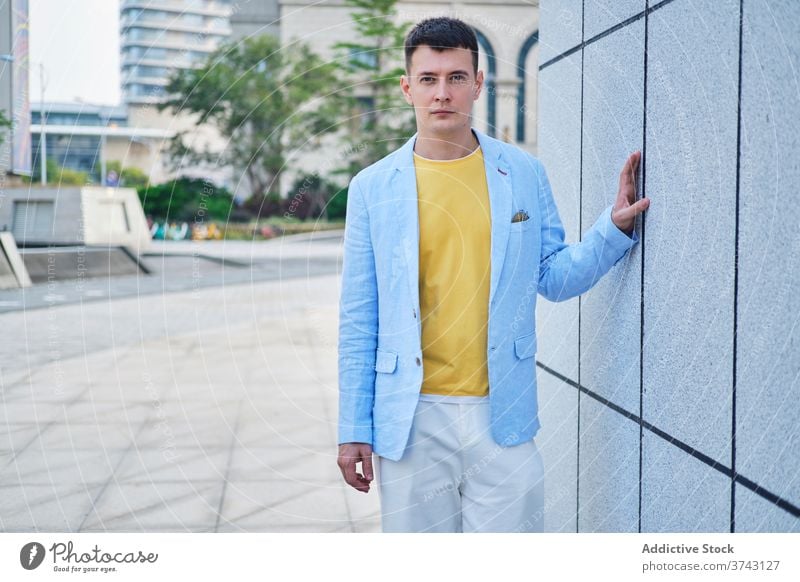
column 349, row 455
column 626, row 207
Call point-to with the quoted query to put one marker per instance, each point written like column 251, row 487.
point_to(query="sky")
column 77, row 41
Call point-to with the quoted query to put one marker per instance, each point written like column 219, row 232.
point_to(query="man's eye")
column 426, row 79
column 458, row 78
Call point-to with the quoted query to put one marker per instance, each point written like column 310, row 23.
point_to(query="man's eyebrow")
column 432, row 74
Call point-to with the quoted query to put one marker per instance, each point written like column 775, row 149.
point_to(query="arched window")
column 491, row 75
column 523, row 55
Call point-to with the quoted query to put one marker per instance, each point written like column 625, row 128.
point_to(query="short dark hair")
column 441, row 33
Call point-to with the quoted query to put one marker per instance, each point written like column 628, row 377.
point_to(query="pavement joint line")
column 112, row 476
column 192, row 493
column 231, row 449
column 89, row 484
column 300, row 396
column 297, row 494
column 326, row 411
column 18, row 452
column 19, row 381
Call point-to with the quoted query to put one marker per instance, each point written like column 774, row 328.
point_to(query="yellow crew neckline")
column 461, row 159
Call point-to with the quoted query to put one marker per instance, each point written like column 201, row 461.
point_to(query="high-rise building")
column 250, row 18
column 159, row 36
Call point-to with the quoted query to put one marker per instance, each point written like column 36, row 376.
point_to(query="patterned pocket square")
column 520, row 216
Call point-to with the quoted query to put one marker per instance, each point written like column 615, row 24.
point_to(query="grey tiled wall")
column 670, row 393
column 560, row 98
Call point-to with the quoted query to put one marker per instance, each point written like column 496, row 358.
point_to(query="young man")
column 447, row 242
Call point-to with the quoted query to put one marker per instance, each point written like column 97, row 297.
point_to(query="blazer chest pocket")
column 521, row 221
column 385, row 361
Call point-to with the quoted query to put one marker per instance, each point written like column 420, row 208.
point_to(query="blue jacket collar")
column 489, row 146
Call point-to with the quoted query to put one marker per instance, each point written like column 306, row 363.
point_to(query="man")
column 447, row 242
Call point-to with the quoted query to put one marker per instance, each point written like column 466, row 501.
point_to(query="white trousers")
column 453, row 477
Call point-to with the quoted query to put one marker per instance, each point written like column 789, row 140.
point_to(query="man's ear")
column 406, row 88
column 478, row 86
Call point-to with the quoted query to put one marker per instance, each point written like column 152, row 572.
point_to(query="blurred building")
column 508, row 38
column 15, row 152
column 508, row 33
column 158, row 37
column 85, row 137
column 251, row 18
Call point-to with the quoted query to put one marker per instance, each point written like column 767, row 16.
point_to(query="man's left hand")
column 626, row 208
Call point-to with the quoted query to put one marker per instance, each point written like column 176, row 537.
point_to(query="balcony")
column 145, row 21
column 175, row 45
column 206, row 8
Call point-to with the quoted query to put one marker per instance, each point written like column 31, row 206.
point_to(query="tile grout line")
column 700, row 456
column 641, row 275
column 603, row 34
column 580, row 306
column 734, row 371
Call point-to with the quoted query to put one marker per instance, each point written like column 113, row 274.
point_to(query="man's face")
column 442, row 87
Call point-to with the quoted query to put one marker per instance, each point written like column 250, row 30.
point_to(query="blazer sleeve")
column 566, row 271
column 358, row 323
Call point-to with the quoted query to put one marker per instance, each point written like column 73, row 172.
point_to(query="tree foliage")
column 374, row 64
column 266, row 100
column 128, row 177
column 4, row 124
column 309, row 197
column 186, row 199
column 58, row 175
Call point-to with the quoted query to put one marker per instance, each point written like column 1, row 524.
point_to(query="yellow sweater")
column 454, row 273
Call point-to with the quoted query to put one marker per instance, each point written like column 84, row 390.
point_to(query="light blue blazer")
column 380, row 349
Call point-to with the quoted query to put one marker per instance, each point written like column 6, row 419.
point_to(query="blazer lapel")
column 498, row 180
column 404, row 200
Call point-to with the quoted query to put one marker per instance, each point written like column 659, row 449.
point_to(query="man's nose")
column 442, row 91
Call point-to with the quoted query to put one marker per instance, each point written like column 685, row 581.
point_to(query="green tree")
column 337, row 205
column 374, row 64
column 309, row 197
column 4, row 123
column 128, row 177
column 58, row 175
column 186, row 199
column 266, row 100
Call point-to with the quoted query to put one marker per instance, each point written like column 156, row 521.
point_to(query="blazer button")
column 419, row 362
column 414, row 311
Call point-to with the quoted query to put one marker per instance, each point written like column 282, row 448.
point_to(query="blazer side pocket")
column 385, row 361
column 525, row 346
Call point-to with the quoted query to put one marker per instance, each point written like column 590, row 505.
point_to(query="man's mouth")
column 442, row 112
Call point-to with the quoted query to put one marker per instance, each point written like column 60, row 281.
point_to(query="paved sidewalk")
column 189, row 265
column 212, row 409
